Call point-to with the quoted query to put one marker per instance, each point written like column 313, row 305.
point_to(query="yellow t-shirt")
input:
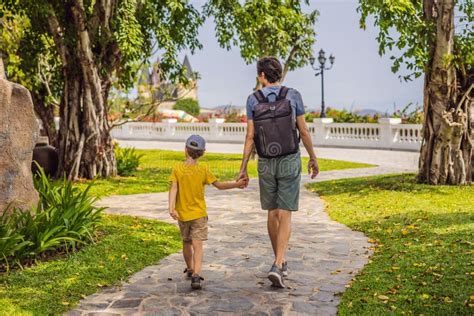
column 191, row 179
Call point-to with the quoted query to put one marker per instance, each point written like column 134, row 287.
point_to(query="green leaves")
column 169, row 27
column 188, row 105
column 262, row 28
column 403, row 25
column 122, row 34
column 128, row 32
column 128, row 160
column 64, row 218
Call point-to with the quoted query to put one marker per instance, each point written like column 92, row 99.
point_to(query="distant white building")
column 152, row 89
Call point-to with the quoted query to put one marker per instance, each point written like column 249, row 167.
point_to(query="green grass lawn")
column 51, row 288
column 156, row 165
column 423, row 238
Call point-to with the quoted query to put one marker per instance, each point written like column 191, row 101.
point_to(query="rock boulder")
column 18, row 133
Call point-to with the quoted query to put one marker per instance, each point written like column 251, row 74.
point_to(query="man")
column 280, row 176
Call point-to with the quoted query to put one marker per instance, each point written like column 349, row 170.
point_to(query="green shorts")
column 279, row 180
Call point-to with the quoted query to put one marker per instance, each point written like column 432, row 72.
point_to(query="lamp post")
column 320, row 71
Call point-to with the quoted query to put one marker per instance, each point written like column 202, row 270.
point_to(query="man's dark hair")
column 194, row 153
column 271, row 67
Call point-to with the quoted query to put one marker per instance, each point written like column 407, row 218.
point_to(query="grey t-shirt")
column 271, row 92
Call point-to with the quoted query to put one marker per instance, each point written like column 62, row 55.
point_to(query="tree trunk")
column 46, row 114
column 85, row 144
column 446, row 152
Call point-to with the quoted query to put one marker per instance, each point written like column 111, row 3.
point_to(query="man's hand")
column 313, row 167
column 173, row 214
column 244, row 176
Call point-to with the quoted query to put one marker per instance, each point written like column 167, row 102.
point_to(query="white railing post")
column 389, row 133
column 215, row 130
column 170, row 127
column 320, row 130
column 387, row 137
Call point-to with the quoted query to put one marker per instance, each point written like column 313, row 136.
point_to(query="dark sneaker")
column 196, row 282
column 189, row 273
column 276, row 277
column 284, row 269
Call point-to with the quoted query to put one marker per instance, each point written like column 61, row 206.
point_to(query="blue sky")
column 359, row 79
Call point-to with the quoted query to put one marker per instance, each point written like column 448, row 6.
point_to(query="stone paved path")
column 323, row 257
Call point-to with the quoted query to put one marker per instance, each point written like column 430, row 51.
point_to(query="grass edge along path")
column 128, row 245
column 155, row 168
column 422, row 236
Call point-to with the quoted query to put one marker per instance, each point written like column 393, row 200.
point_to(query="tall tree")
column 436, row 39
column 265, row 28
column 94, row 40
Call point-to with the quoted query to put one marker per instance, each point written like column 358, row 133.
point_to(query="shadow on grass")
column 423, row 241
column 51, row 288
column 397, row 182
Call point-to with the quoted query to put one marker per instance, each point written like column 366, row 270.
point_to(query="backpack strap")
column 283, row 92
column 260, row 96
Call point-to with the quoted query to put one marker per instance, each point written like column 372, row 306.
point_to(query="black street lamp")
column 320, row 71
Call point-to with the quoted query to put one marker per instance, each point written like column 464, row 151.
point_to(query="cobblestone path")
column 323, row 257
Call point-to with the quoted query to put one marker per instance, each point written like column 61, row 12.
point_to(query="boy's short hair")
column 194, row 153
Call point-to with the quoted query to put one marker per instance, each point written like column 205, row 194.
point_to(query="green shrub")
column 128, row 160
column 188, row 105
column 343, row 116
column 408, row 116
column 12, row 242
column 64, row 218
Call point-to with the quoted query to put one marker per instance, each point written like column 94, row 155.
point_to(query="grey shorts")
column 279, row 180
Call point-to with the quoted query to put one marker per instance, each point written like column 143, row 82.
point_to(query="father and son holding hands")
column 275, row 126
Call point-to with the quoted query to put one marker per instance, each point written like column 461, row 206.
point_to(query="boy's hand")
column 243, row 176
column 173, row 214
column 242, row 183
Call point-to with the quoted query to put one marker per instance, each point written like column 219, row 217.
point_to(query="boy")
column 188, row 207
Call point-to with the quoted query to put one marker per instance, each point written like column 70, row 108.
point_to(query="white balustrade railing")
column 388, row 133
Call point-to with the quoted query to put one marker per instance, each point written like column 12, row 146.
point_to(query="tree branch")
column 58, row 38
column 286, row 66
column 465, row 96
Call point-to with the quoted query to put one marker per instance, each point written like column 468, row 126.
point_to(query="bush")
column 188, row 105
column 235, row 117
column 410, row 117
column 343, row 116
column 128, row 160
column 64, row 218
